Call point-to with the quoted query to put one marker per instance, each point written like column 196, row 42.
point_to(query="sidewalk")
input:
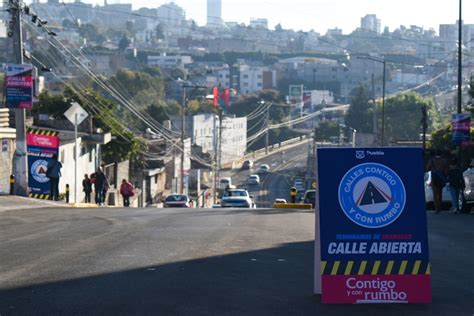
column 13, row 202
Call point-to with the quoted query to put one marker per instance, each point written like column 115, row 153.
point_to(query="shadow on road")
column 275, row 281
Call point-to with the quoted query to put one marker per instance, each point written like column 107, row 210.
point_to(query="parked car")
column 237, row 198
column 446, row 196
column 310, row 197
column 253, row 179
column 247, row 164
column 177, row 200
column 264, row 169
column 466, row 200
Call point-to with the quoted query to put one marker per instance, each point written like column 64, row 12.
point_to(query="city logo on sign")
column 372, row 195
column 360, row 154
column 38, row 170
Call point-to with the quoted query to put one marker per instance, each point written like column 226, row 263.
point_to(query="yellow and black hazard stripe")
column 39, row 196
column 377, row 267
column 42, row 132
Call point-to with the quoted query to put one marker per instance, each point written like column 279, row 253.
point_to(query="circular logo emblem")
column 38, row 170
column 372, row 195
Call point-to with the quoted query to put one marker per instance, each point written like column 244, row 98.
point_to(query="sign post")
column 373, row 240
column 76, row 115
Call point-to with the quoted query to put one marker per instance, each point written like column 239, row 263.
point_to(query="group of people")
column 99, row 182
column 445, row 171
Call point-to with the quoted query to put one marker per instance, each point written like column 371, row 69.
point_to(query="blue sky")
column 323, row 14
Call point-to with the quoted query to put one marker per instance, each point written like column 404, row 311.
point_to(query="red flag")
column 215, row 92
column 226, row 97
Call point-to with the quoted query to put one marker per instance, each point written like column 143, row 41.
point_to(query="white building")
column 169, row 61
column 254, row 79
column 259, row 23
column 370, row 23
column 218, row 77
column 234, row 138
column 171, row 14
column 214, row 13
column 203, row 130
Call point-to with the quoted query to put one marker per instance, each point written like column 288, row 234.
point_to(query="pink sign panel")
column 44, row 141
column 358, row 289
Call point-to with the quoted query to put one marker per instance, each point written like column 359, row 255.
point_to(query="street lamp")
column 383, row 62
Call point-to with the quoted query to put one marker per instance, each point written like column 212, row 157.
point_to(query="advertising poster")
column 42, row 145
column 461, row 128
column 19, row 86
column 374, row 242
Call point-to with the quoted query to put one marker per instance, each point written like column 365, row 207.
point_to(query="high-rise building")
column 370, row 23
column 214, row 13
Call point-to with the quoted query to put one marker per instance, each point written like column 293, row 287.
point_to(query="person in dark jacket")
column 101, row 186
column 456, row 184
column 439, row 166
column 53, row 172
column 87, row 188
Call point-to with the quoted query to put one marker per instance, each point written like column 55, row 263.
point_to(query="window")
column 259, row 84
column 259, row 76
column 245, row 84
column 245, row 76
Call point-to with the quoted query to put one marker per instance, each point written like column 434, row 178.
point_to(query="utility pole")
column 460, row 59
column 424, row 123
column 459, row 109
column 375, row 107
column 183, row 109
column 266, row 133
column 21, row 168
column 216, row 152
column 219, row 145
column 383, row 103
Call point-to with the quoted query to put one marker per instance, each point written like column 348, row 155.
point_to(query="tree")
column 403, row 114
column 124, row 43
column 360, row 113
column 160, row 32
column 326, row 130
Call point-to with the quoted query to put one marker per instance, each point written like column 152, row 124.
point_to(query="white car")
column 446, row 195
column 467, row 198
column 263, row 169
column 237, row 198
column 253, row 179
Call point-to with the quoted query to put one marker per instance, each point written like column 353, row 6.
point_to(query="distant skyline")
column 321, row 15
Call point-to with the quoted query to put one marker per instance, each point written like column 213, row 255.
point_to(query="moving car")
column 310, row 197
column 237, row 198
column 280, row 201
column 446, row 196
column 177, row 200
column 247, row 164
column 226, row 183
column 264, row 169
column 253, row 179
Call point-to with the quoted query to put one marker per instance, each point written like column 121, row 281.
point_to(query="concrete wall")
column 86, row 164
column 7, row 151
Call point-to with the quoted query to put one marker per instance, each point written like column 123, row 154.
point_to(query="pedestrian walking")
column 53, row 172
column 87, row 188
column 126, row 190
column 456, row 184
column 439, row 166
column 101, row 186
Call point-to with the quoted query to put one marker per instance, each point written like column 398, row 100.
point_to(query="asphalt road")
column 196, row 262
column 277, row 183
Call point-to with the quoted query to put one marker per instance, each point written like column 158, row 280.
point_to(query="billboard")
column 372, row 219
column 19, row 86
column 461, row 129
column 41, row 145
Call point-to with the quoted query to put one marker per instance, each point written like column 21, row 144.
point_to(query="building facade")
column 214, row 13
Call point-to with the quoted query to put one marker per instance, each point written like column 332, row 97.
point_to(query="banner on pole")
column 461, row 128
column 372, row 216
column 19, row 86
column 41, row 145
